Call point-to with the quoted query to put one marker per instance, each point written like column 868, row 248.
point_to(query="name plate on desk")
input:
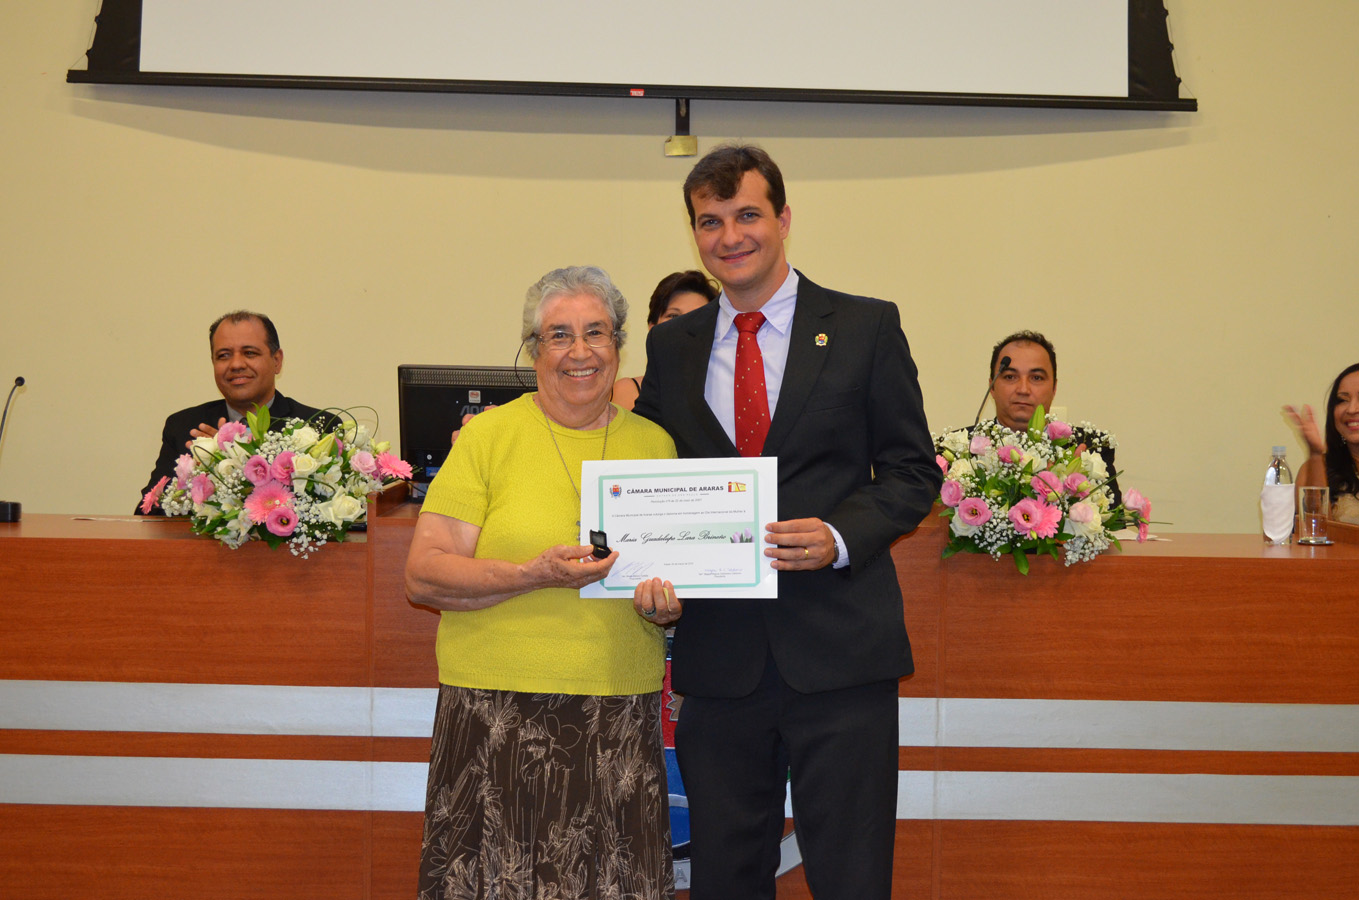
column 697, row 523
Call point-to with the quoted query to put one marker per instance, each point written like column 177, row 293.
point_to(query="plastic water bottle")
column 1276, row 499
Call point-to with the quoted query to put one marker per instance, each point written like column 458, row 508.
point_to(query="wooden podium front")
column 270, row 664
column 177, row 719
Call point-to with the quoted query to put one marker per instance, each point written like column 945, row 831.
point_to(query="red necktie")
column 752, row 403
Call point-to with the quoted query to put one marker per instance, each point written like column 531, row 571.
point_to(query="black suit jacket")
column 854, row 450
column 178, row 426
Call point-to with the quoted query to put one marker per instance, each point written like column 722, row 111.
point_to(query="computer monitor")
column 433, row 400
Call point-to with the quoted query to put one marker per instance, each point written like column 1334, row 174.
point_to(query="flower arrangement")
column 294, row 485
column 1008, row 492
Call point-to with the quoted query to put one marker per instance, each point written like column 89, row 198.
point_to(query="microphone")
column 1004, row 363
column 9, row 511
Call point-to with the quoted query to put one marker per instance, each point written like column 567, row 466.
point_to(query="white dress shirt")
column 773, row 337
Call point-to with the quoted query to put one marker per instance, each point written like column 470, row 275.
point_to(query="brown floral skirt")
column 546, row 797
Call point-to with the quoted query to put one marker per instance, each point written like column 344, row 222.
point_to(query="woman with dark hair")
column 1334, row 458
column 677, row 294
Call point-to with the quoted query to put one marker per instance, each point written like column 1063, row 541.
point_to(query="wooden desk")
column 997, row 720
column 1215, row 625
column 130, row 603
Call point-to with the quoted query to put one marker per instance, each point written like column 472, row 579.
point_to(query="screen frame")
column 114, row 58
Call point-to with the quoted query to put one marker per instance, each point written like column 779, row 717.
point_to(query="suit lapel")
column 812, row 318
column 698, row 349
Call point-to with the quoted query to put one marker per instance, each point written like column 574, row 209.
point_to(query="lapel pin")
column 821, row 339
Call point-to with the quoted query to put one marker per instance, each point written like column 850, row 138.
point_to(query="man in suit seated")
column 1030, row 380
column 246, row 359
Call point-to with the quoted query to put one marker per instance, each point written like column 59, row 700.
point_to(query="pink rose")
column 1009, row 454
column 281, row 521
column 980, row 444
column 1082, row 513
column 231, row 431
column 183, row 470
column 1056, row 431
column 282, row 468
column 1046, row 484
column 266, row 497
column 974, row 511
column 1084, row 519
column 1077, row 484
column 256, row 470
column 951, row 494
column 943, row 463
column 390, row 466
column 201, row 488
column 363, row 461
column 1035, row 519
column 1135, row 502
column 152, row 497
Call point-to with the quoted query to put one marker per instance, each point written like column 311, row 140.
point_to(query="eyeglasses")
column 565, row 340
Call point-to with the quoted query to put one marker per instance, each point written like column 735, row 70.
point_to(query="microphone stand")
column 1004, row 363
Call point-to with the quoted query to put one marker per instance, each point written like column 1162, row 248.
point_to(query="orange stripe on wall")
column 226, row 746
column 1175, row 762
column 984, row 860
column 136, row 853
column 1200, row 618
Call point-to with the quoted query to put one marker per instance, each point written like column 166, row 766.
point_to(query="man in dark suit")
column 246, row 360
column 804, row 685
column 1029, row 380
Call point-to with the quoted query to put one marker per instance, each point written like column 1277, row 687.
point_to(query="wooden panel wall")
column 1203, row 619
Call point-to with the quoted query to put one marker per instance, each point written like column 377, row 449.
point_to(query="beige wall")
column 1190, row 267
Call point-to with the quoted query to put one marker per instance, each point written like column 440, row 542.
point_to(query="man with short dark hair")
column 246, row 360
column 1028, row 381
column 804, row 685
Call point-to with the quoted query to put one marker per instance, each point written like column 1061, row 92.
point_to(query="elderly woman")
column 547, row 771
column 1334, row 459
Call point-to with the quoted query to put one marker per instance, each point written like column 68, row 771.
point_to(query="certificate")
column 697, row 523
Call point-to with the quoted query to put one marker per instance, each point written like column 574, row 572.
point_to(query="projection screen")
column 1036, row 52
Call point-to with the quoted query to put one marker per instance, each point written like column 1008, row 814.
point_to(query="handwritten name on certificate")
column 697, row 523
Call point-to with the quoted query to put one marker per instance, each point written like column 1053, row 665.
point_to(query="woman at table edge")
column 1333, row 447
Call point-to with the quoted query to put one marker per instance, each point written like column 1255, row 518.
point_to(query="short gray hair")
column 570, row 282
